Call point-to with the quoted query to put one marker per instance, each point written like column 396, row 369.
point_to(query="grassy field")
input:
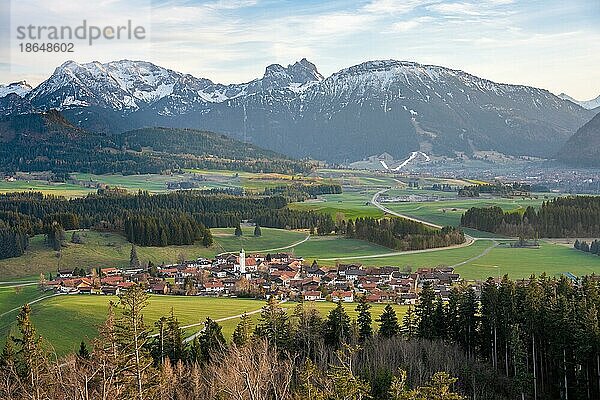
column 57, row 189
column 449, row 212
column 554, row 259
column 11, row 297
column 66, row 320
column 319, row 247
column 415, row 260
column 351, row 204
column 108, row 249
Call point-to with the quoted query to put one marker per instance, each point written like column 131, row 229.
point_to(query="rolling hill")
column 49, row 142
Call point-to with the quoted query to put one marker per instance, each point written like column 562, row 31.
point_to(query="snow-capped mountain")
column 120, row 85
column 587, row 104
column 374, row 107
column 19, row 88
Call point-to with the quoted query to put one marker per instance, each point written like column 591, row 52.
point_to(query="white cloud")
column 394, row 6
column 405, row 26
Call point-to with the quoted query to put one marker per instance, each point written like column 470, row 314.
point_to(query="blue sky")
column 550, row 44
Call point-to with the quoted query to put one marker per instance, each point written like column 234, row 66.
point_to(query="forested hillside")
column 48, row 142
column 583, row 148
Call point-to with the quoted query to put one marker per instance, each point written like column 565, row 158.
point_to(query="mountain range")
column 593, row 104
column 374, row 107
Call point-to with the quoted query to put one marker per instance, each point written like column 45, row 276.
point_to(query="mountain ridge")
column 592, row 104
column 369, row 108
column 583, row 148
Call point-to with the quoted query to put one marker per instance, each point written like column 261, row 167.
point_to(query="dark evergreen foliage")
column 176, row 218
column 402, row 234
column 560, row 217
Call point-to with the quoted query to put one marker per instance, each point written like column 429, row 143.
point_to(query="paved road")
column 483, row 254
column 376, row 203
column 272, row 250
column 30, row 303
column 193, row 336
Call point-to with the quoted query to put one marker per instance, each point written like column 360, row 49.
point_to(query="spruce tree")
column 238, row 231
column 243, row 331
column 388, row 322
column 364, row 319
column 211, row 339
column 425, row 310
column 274, row 324
column 410, row 323
column 132, row 339
column 30, row 357
column 134, row 261
column 337, row 327
column 83, row 351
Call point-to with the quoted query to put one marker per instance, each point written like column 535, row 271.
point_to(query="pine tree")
column 388, row 322
column 308, row 325
column 211, row 340
column 439, row 320
column 207, row 239
column 29, row 355
column 410, row 324
column 364, row 319
column 274, row 324
column 132, row 339
column 243, row 331
column 257, row 231
column 238, row 231
column 425, row 310
column 337, row 327
column 134, row 261
column 83, row 351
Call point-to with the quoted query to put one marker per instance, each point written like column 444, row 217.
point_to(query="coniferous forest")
column 537, row 338
column 402, row 234
column 561, row 217
column 148, row 220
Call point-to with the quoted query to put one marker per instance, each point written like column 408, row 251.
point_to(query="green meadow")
column 449, row 212
column 109, row 249
column 350, row 204
column 64, row 321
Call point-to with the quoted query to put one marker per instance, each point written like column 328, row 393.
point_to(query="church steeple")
column 242, row 261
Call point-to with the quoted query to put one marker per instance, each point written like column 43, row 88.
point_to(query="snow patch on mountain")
column 19, row 88
column 587, row 104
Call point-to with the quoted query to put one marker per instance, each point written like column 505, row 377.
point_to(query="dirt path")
column 272, row 250
column 30, row 303
column 193, row 336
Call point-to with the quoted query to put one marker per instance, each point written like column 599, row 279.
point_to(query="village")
column 261, row 276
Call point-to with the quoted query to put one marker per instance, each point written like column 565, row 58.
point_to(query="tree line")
column 285, row 355
column 402, row 234
column 13, row 241
column 559, row 217
column 593, row 247
column 155, row 220
column 300, row 192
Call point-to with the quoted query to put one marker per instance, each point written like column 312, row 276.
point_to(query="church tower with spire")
column 242, row 262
